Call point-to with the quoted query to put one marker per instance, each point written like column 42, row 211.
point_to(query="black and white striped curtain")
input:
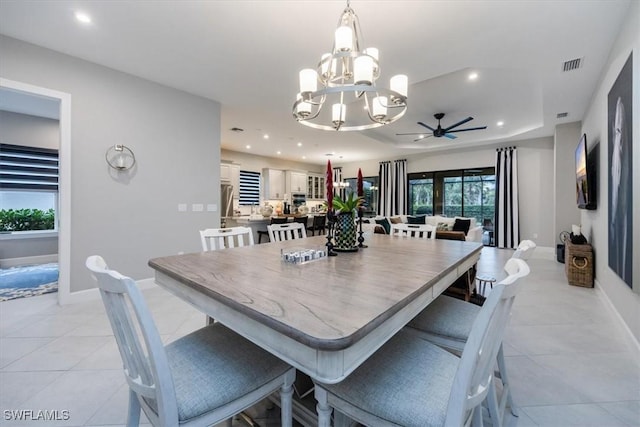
column 507, row 227
column 337, row 183
column 392, row 195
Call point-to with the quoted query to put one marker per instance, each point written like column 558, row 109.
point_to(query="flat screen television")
column 585, row 179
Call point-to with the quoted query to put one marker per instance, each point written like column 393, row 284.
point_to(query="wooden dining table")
column 324, row 317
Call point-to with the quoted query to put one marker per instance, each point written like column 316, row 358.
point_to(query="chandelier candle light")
column 348, row 77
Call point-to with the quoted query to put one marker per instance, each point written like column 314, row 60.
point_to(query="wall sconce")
column 120, row 157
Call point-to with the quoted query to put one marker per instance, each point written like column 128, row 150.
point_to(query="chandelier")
column 348, row 98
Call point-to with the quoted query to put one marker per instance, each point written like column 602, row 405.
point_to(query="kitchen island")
column 259, row 222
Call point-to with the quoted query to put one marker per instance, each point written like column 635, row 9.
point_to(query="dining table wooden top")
column 327, row 304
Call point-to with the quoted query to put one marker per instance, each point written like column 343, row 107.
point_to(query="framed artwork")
column 620, row 199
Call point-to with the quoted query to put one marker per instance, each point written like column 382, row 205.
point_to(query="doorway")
column 31, row 94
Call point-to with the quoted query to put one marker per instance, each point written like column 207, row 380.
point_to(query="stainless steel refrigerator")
column 226, row 201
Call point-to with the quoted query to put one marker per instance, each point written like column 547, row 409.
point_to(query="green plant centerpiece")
column 345, row 228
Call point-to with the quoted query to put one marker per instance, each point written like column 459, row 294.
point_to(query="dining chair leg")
column 323, row 408
column 506, row 385
column 133, row 415
column 286, row 398
column 493, row 406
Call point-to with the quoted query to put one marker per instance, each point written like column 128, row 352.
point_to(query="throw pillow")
column 442, row 226
column 420, row 219
column 384, row 222
column 462, row 225
column 395, row 220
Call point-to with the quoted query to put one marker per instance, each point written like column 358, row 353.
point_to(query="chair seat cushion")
column 407, row 382
column 206, row 379
column 448, row 317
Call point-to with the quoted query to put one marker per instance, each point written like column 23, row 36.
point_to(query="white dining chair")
column 410, row 381
column 213, row 239
column 421, row 231
column 288, row 231
column 525, row 250
column 448, row 322
column 201, row 379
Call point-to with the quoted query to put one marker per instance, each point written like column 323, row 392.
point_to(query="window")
column 249, row 188
column 370, row 189
column 28, row 188
column 465, row 192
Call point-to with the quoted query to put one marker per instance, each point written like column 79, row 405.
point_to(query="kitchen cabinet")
column 273, row 184
column 296, row 182
column 230, row 174
column 316, row 186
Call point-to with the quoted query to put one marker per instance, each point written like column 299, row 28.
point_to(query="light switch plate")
column 197, row 207
column 212, row 207
column 182, row 207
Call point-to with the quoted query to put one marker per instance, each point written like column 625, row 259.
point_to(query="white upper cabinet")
column 273, row 184
column 316, row 186
column 296, row 182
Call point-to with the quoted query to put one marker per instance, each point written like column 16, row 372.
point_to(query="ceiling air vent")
column 572, row 64
column 561, row 115
column 237, row 130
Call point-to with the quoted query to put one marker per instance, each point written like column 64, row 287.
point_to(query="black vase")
column 345, row 233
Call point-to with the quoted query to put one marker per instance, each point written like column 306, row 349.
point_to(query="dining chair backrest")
column 278, row 220
column 475, row 372
column 422, row 231
column 146, row 366
column 289, row 231
column 525, row 250
column 214, row 239
column 515, row 268
column 301, row 219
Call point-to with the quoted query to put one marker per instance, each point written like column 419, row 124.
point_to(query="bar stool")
column 483, row 280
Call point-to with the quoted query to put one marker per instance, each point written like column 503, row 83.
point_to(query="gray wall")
column 128, row 218
column 22, row 129
column 595, row 223
column 535, row 178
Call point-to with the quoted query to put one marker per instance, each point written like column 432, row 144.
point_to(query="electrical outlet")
column 197, row 207
column 212, row 207
column 535, row 235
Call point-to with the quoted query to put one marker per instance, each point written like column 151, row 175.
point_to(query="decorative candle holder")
column 331, row 226
column 360, row 233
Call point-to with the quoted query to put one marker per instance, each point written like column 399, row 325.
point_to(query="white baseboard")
column 28, row 260
column 617, row 316
column 93, row 294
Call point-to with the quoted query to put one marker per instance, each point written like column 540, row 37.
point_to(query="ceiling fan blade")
column 461, row 122
column 417, row 133
column 427, row 126
column 420, row 139
column 448, row 135
column 465, row 130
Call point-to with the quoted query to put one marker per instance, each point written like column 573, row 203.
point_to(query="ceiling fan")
column 439, row 132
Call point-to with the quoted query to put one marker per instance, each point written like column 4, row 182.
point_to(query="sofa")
column 442, row 224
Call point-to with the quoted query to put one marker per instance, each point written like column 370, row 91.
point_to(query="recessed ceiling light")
column 82, row 17
column 278, row 152
column 500, row 123
column 299, row 144
column 304, row 157
column 265, row 136
column 248, row 147
column 473, row 76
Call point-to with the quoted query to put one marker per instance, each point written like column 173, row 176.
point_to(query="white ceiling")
column 247, row 54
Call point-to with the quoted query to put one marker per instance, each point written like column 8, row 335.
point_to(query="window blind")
column 249, row 191
column 28, row 168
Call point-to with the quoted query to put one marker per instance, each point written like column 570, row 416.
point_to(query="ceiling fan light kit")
column 347, row 79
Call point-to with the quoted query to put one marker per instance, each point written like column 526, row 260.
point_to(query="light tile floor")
column 570, row 362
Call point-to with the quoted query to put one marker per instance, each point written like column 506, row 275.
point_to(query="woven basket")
column 578, row 265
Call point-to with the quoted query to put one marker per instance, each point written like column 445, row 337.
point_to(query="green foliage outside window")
column 26, row 219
